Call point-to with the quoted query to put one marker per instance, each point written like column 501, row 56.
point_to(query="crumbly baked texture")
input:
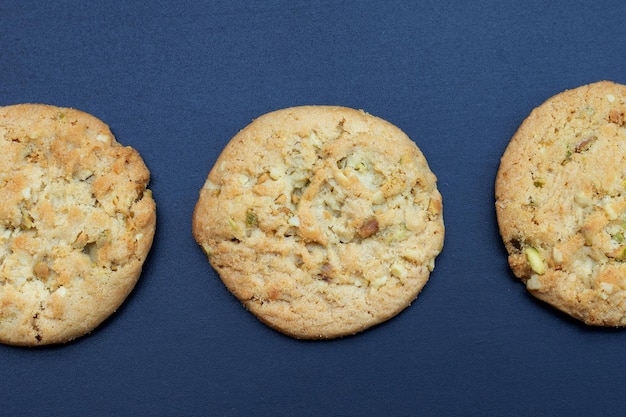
column 561, row 203
column 322, row 221
column 76, row 223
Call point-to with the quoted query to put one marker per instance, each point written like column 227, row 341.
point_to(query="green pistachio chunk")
column 251, row 218
column 535, row 261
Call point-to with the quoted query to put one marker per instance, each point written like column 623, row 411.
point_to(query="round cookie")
column 561, row 203
column 76, row 223
column 322, row 221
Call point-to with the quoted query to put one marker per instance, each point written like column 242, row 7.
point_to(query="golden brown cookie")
column 76, row 223
column 561, row 203
column 322, row 221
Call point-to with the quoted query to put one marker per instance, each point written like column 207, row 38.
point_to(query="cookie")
column 323, row 221
column 76, row 223
column 561, row 203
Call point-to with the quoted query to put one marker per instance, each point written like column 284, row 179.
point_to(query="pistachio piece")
column 251, row 218
column 620, row 254
column 233, row 226
column 397, row 233
column 568, row 156
column 360, row 167
column 207, row 249
column 534, row 260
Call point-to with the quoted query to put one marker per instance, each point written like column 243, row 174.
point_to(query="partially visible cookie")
column 561, row 203
column 76, row 223
column 322, row 221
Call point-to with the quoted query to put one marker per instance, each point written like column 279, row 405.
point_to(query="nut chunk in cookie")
column 323, row 221
column 561, row 203
column 76, row 223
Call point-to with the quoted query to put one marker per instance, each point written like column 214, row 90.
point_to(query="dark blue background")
column 176, row 80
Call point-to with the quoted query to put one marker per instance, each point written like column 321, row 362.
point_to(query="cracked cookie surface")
column 323, row 221
column 561, row 203
column 76, row 223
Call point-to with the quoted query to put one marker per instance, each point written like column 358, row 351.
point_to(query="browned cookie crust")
column 561, row 203
column 76, row 223
column 322, row 221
